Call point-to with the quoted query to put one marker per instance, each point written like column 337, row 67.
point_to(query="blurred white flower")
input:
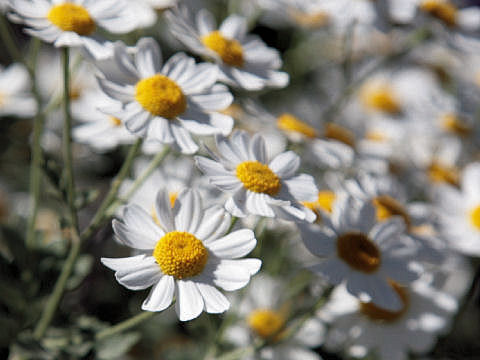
column 15, row 96
column 360, row 252
column 185, row 256
column 167, row 103
column 258, row 185
column 244, row 60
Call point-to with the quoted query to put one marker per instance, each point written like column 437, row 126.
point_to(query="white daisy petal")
column 161, row 295
column 285, row 164
column 387, row 231
column 257, row 203
column 214, row 301
column 187, row 211
column 183, row 139
column 234, row 27
column 234, row 245
column 163, row 210
column 136, row 272
column 160, row 130
column 334, row 270
column 148, row 59
column 138, row 219
column 115, row 91
column 189, row 303
column 317, row 241
column 204, row 77
column 205, row 22
column 257, row 149
column 215, row 223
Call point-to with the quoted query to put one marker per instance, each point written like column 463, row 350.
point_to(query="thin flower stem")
column 100, row 215
column 67, row 140
column 54, row 299
column 8, row 41
column 35, row 165
column 124, row 325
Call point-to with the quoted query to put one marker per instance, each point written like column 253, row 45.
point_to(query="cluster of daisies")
column 363, row 159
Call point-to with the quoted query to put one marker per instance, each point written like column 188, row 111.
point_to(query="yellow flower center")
column 375, row 313
column 289, row 123
column 324, row 202
column 230, row 50
column 266, row 323
column 376, row 136
column 180, row 254
column 443, row 10
column 475, row 217
column 454, row 124
column 161, row 96
column 386, row 207
column 115, row 121
column 258, row 177
column 379, row 97
column 339, row 133
column 310, row 20
column 439, row 173
column 358, row 251
column 72, row 17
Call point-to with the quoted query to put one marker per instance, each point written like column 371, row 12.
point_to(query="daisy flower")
column 167, row 103
column 244, row 60
column 257, row 185
column 359, row 252
column 146, row 10
column 97, row 129
column 185, row 257
column 361, row 327
column 15, row 96
column 263, row 313
column 459, row 211
column 73, row 22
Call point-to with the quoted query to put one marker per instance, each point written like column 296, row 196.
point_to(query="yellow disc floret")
column 443, row 10
column 375, row 313
column 475, row 217
column 455, row 125
column 161, row 96
column 358, row 251
column 266, row 323
column 439, row 173
column 229, row 50
column 180, row 254
column 324, row 202
column 386, row 207
column 379, row 96
column 258, row 177
column 72, row 17
column 290, row 123
column 339, row 133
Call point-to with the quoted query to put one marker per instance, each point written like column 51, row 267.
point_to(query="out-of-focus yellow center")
column 310, row 20
column 438, row 173
column 475, row 217
column 72, row 17
column 161, row 96
column 358, row 251
column 290, row 123
column 339, row 133
column 386, row 207
column 180, row 254
column 229, row 50
column 375, row 313
column 115, row 121
column 454, row 124
column 234, row 110
column 376, row 136
column 379, row 97
column 266, row 323
column 443, row 10
column 324, row 202
column 258, row 177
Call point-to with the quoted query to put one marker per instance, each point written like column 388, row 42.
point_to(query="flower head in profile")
column 73, row 22
column 244, row 60
column 257, row 185
column 167, row 103
column 185, row 256
column 361, row 253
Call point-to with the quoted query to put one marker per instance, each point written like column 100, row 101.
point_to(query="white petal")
column 334, row 270
column 183, row 139
column 163, row 210
column 188, row 211
column 258, row 204
column 159, row 129
column 136, row 272
column 214, row 301
column 148, row 59
column 215, row 223
column 317, row 240
column 302, row 187
column 189, row 303
column 204, row 77
column 234, row 27
column 234, row 245
column 285, row 165
column 161, row 295
column 258, row 149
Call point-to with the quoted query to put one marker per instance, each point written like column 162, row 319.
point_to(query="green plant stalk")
column 124, row 325
column 112, row 194
column 7, row 39
column 35, row 165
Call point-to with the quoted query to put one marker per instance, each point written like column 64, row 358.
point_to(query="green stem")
column 67, row 141
column 8, row 41
column 124, row 325
column 35, row 165
column 54, row 299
